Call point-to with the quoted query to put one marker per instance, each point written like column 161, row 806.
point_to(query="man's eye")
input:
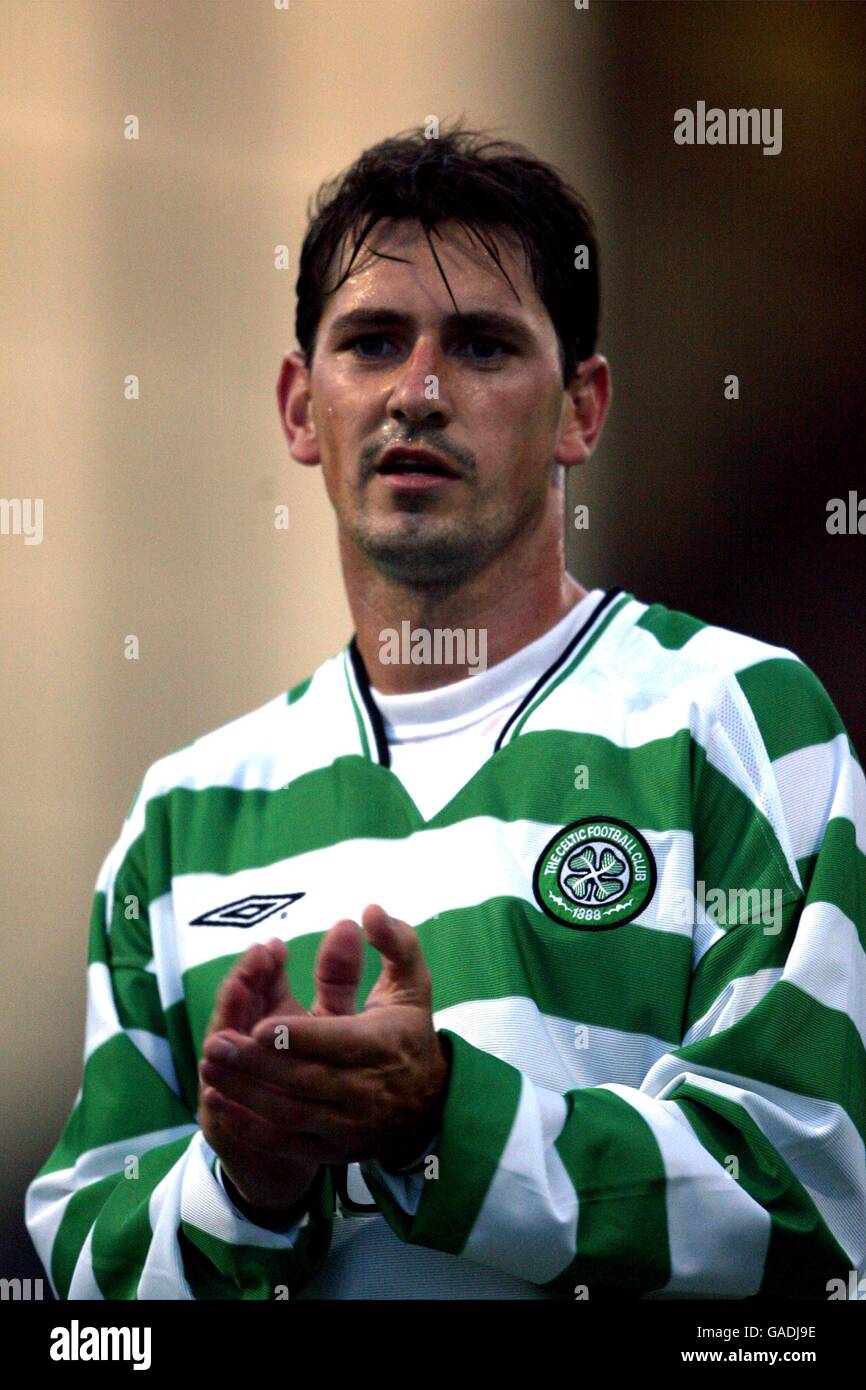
column 367, row 353
column 490, row 342
column 368, row 338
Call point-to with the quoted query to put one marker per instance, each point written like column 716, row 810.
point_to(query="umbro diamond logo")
column 246, row 912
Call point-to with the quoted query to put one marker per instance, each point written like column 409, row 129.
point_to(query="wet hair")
column 484, row 184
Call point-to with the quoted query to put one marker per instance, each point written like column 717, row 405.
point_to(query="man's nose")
column 419, row 389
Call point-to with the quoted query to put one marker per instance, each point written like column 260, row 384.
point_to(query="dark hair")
column 453, row 178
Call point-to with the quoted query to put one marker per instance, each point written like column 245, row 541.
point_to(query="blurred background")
column 155, row 257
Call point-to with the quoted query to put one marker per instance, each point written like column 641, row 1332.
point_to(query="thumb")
column 339, row 967
column 404, row 977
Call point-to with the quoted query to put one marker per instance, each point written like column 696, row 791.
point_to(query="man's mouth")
column 417, row 467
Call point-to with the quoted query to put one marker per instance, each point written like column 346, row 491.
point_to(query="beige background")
column 155, row 257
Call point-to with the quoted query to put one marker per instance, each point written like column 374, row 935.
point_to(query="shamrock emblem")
column 597, row 873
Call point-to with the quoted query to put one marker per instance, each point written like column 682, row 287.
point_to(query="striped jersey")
column 644, row 919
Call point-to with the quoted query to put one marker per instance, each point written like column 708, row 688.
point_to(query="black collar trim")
column 382, row 749
column 377, row 723
column 556, row 663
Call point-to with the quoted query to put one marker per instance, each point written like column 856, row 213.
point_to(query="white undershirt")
column 440, row 738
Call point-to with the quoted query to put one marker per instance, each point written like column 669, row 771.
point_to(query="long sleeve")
column 129, row 1204
column 736, row 1169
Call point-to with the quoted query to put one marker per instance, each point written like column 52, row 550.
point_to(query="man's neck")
column 493, row 612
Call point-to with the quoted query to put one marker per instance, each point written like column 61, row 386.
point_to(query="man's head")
column 444, row 301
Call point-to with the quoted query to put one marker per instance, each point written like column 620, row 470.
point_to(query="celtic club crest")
column 596, row 873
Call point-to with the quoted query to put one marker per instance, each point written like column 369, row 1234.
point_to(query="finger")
column 240, row 1001
column 339, row 967
column 357, row 1040
column 279, row 952
column 233, row 1006
column 280, row 999
column 301, row 1078
column 404, row 976
column 259, row 971
column 229, row 1126
column 279, row 1104
column 279, row 992
column 217, row 1122
column 240, row 1125
column 263, row 970
column 270, row 959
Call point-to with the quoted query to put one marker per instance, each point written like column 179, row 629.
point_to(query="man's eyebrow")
column 473, row 321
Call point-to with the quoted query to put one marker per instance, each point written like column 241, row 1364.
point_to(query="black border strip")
column 382, row 749
column 556, row 663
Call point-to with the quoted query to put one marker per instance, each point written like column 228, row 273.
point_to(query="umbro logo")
column 246, row 912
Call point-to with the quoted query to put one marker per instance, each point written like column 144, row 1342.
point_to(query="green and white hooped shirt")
column 644, row 913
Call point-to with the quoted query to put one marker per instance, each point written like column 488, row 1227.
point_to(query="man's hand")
column 270, row 1167
column 352, row 1087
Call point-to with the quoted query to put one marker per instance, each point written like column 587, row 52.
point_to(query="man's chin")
column 424, row 561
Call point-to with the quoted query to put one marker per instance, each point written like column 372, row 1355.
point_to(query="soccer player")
column 518, row 952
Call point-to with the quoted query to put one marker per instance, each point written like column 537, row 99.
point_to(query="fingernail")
column 222, row 1050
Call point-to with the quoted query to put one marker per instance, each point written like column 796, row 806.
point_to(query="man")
column 601, row 1030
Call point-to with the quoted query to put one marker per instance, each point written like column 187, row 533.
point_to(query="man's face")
column 396, row 363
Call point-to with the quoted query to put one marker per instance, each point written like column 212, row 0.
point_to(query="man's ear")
column 293, row 395
column 584, row 409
